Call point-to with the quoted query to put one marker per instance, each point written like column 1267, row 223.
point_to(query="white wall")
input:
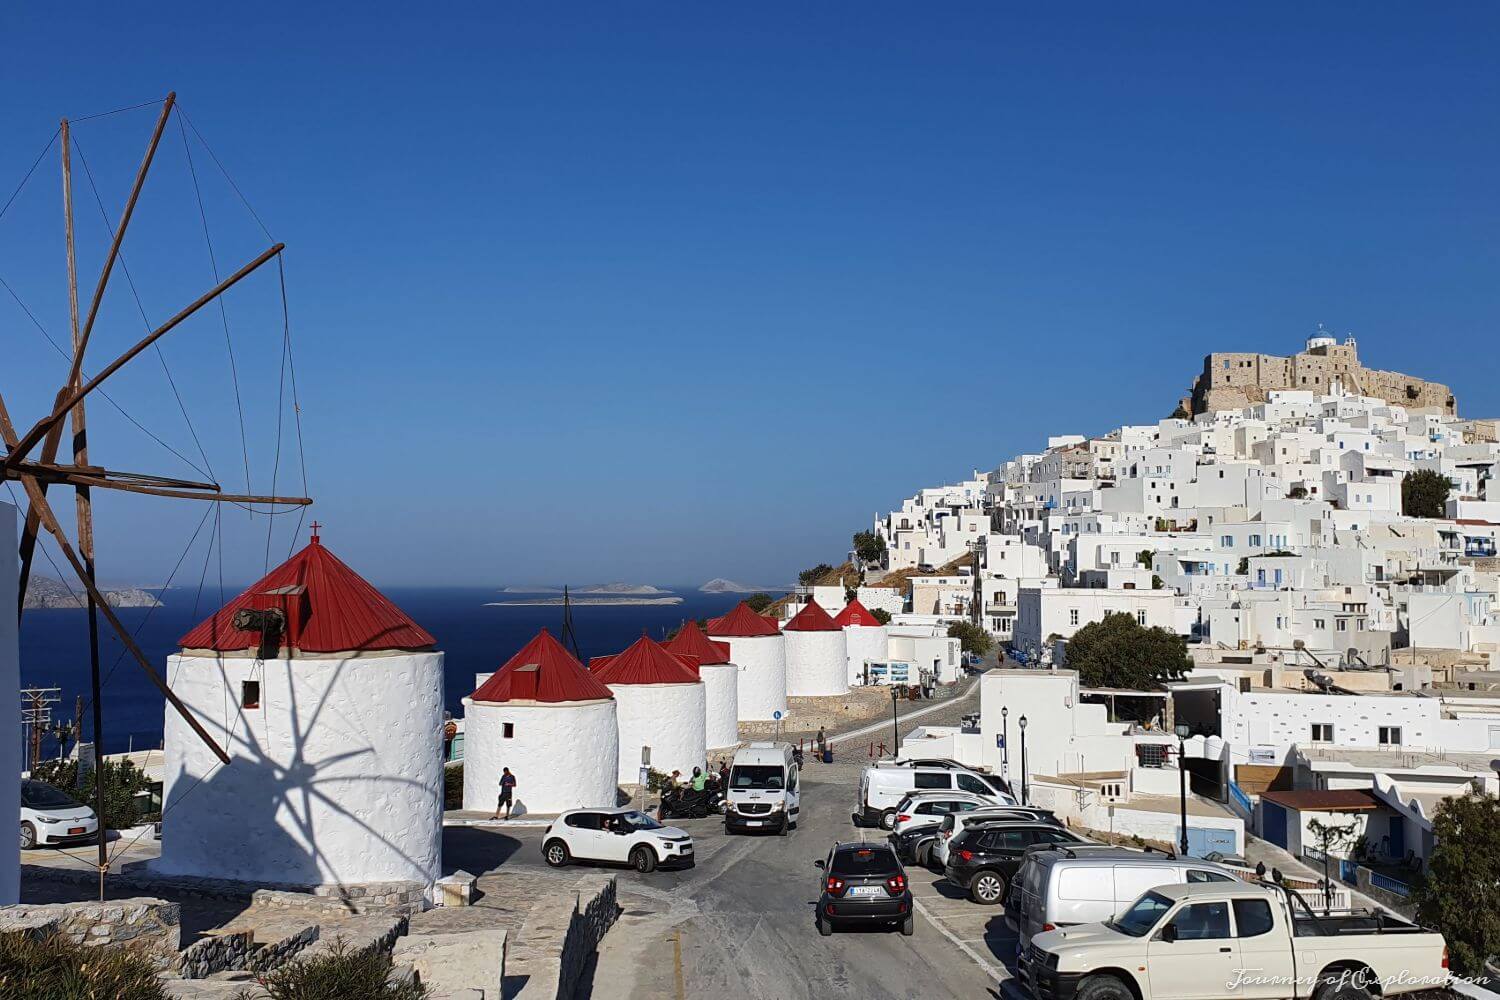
column 336, row 778
column 762, row 677
column 817, row 663
column 1063, row 735
column 668, row 718
column 10, row 700
column 864, row 643
column 564, row 756
column 721, row 715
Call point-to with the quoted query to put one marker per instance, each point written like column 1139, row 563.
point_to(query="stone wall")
column 560, row 938
column 371, row 897
column 215, row 953
column 150, row 927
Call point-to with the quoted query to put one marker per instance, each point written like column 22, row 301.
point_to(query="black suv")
column 984, row 858
column 864, row 883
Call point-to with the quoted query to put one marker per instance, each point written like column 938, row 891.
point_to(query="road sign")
column 645, row 756
column 999, row 741
column 776, row 716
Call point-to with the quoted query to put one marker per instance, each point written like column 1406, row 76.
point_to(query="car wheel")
column 28, row 836
column 888, row 819
column 923, row 854
column 1341, row 987
column 825, row 927
column 643, row 859
column 987, row 888
column 1103, row 988
column 556, row 853
column 909, row 925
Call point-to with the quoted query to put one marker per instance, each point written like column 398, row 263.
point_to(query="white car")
column 617, row 836
column 50, row 818
column 921, row 809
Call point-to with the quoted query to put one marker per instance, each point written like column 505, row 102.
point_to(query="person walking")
column 507, row 792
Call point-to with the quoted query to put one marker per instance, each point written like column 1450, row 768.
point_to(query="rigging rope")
column 35, row 163
column 213, row 261
column 116, row 111
column 286, row 328
column 142, row 309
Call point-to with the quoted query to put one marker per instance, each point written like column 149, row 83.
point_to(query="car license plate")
column 74, row 830
column 865, row 890
column 752, row 822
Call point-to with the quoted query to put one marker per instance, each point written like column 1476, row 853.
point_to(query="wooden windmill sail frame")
column 37, row 475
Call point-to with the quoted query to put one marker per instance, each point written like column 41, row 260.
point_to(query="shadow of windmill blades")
column 281, row 799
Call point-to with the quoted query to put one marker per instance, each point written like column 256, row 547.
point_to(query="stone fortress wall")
column 1231, row 380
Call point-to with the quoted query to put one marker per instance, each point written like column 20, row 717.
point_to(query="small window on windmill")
column 250, row 694
column 509, row 732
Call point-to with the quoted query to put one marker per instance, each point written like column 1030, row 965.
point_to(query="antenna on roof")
column 569, row 636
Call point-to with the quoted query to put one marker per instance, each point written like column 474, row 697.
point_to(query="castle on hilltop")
column 1233, row 380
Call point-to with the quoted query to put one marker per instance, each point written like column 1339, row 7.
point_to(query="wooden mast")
column 84, row 504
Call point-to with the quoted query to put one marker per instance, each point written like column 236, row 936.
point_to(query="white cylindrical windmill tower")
column 661, row 702
column 865, row 639
column 721, row 680
column 547, row 719
column 758, row 648
column 817, row 663
column 10, row 699
column 329, row 700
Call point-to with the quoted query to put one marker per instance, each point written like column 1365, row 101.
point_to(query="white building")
column 864, row 639
column 721, row 684
column 660, row 707
column 1045, row 612
column 10, row 702
column 758, row 648
column 329, row 701
column 817, row 662
column 552, row 723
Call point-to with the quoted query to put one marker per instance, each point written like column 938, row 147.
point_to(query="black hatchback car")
column 864, row 883
column 984, row 858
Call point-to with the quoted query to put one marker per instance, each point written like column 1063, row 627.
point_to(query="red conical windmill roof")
column 328, row 608
column 691, row 641
column 812, row 618
column 855, row 613
column 543, row 670
column 741, row 623
column 645, row 662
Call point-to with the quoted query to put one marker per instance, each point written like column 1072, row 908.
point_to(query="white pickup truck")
column 1224, row 941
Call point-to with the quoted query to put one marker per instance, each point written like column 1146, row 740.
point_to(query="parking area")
column 978, row 931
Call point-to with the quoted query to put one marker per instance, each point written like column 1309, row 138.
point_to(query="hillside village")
column 1327, row 560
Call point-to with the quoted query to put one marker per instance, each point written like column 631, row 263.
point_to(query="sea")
column 475, row 635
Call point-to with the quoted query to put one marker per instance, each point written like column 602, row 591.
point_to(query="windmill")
column 37, row 474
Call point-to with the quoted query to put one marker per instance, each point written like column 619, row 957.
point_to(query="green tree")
column 1298, row 492
column 1332, row 837
column 1118, row 652
column 123, row 781
column 808, row 577
column 869, row 547
column 1243, row 569
column 881, row 615
column 760, row 602
column 1157, row 583
column 1144, row 557
column 1424, row 493
column 972, row 638
column 1460, row 893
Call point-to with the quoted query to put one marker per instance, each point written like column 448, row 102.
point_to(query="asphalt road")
column 740, row 923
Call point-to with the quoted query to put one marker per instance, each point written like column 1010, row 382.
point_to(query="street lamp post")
column 1005, row 743
column 1025, row 788
column 1182, row 735
column 895, row 723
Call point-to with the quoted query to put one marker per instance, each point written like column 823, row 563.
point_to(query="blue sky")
column 666, row 292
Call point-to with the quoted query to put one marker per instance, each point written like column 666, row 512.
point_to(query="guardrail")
column 1389, row 884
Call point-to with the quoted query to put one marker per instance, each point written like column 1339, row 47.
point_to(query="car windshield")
column 639, row 821
column 1142, row 915
column 865, row 861
column 756, row 776
column 37, row 795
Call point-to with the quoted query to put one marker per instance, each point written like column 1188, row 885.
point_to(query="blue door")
column 1397, row 845
column 1203, row 840
column 1273, row 823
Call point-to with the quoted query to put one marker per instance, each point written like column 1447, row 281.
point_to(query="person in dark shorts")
column 507, row 792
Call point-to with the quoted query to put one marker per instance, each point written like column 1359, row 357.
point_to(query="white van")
column 1081, row 885
column 764, row 792
column 881, row 789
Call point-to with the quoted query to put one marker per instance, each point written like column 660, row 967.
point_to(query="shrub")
column 1298, row 492
column 122, row 782
column 1460, row 893
column 881, row 615
column 1119, row 652
column 869, row 547
column 1144, row 557
column 1424, row 493
column 338, row 974
column 759, row 602
column 50, row 967
column 808, row 577
column 453, row 787
column 971, row 637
